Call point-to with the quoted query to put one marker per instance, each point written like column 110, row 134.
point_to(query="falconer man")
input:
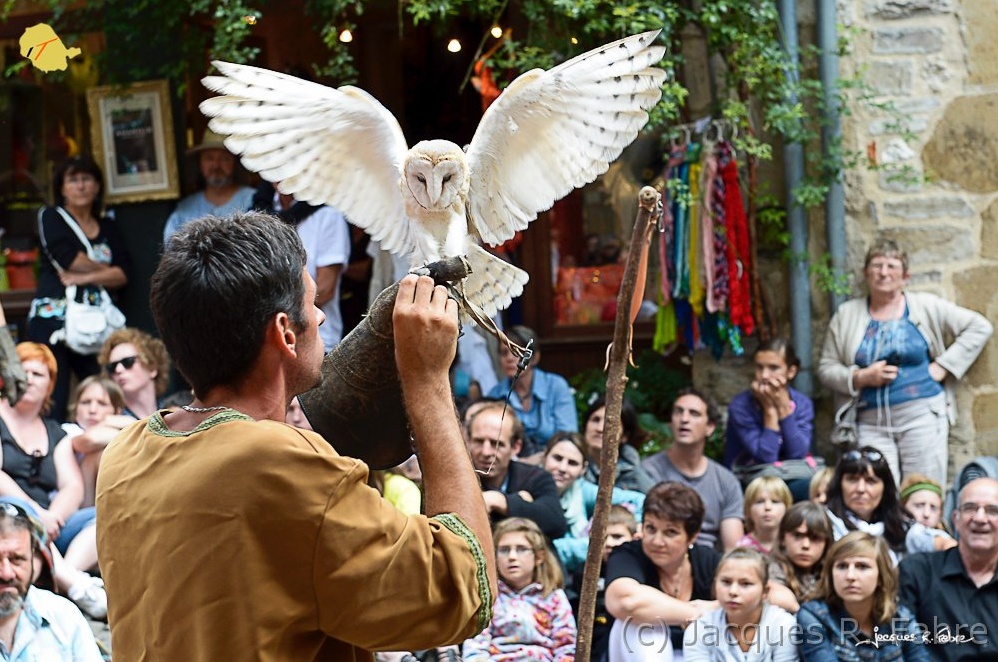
column 226, row 534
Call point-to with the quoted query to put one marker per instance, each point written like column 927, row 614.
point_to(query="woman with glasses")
column 140, row 366
column 66, row 260
column 854, row 613
column 862, row 496
column 39, row 468
column 887, row 356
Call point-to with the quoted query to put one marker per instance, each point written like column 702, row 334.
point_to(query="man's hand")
column 937, row 372
column 495, row 502
column 425, row 322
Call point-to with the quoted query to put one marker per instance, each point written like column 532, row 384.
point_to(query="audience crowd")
column 760, row 554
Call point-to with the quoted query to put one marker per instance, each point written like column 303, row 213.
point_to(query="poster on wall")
column 132, row 135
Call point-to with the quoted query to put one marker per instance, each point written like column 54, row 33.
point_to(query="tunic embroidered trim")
column 458, row 527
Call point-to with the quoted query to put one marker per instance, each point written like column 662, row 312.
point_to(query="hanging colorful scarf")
column 718, row 209
column 739, row 297
column 696, row 285
column 707, row 228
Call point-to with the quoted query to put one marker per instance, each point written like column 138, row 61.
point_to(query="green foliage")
column 651, row 388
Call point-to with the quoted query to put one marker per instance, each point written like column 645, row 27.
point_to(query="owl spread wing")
column 324, row 146
column 552, row 131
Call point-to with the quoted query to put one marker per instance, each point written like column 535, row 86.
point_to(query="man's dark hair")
column 713, row 413
column 219, row 283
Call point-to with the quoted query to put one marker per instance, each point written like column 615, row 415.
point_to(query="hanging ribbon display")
column 704, row 250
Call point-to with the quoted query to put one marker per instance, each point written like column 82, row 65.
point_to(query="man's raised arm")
column 426, row 326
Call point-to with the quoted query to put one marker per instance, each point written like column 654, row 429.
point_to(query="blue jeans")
column 78, row 521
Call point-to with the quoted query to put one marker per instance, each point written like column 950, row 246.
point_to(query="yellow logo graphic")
column 43, row 47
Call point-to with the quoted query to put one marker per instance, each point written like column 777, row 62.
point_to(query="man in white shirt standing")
column 324, row 232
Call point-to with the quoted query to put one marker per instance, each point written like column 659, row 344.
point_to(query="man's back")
column 256, row 541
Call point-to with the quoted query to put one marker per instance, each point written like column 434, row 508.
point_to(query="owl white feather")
column 548, row 133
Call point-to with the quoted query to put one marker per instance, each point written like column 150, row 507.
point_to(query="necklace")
column 677, row 586
column 201, row 410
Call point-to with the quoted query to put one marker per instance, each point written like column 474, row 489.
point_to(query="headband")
column 918, row 487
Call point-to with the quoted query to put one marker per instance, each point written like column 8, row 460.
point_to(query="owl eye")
column 421, row 178
column 447, row 178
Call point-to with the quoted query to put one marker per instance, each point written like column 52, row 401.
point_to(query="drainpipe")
column 793, row 175
column 831, row 135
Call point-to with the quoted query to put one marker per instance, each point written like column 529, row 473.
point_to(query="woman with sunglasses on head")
column 630, row 475
column 140, row 366
column 66, row 260
column 39, row 468
column 887, row 355
column 863, row 497
column 854, row 613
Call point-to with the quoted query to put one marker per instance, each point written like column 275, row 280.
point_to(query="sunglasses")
column 869, row 456
column 17, row 512
column 125, row 363
column 34, row 474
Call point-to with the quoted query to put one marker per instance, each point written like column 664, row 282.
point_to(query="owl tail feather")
column 493, row 282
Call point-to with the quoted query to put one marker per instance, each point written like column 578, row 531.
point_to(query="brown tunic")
column 253, row 540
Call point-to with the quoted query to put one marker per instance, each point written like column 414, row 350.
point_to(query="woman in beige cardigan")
column 887, row 352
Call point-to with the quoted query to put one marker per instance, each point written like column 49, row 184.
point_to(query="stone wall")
column 937, row 60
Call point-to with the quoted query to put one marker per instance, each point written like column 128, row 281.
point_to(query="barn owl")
column 548, row 133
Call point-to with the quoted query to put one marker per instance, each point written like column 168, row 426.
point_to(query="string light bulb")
column 496, row 31
column 346, row 36
column 575, row 42
column 454, row 46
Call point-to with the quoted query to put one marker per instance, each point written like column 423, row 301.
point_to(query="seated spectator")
column 543, row 401
column 818, row 490
column 766, row 501
column 39, row 468
column 565, row 461
column 295, row 415
column 922, row 499
column 805, row 535
column 694, row 417
column 662, row 581
column 531, row 617
column 511, row 488
column 629, row 474
column 855, row 614
column 955, row 591
column 35, row 624
column 863, row 497
column 746, row 626
column 96, row 409
column 397, row 490
column 140, row 366
column 771, row 421
column 621, row 527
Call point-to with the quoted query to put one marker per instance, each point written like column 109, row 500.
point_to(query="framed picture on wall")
column 132, row 135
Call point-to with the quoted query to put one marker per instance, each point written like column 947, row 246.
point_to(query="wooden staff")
column 648, row 211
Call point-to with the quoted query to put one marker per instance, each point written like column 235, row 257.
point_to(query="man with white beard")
column 35, row 624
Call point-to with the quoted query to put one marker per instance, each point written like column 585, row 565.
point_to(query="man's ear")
column 283, row 333
column 710, row 429
column 517, row 446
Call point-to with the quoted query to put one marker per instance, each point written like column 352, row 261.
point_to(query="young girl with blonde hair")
column 531, row 618
column 766, row 501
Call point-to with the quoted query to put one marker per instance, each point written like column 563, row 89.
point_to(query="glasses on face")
column 125, row 363
column 889, row 266
column 519, row 549
column 80, row 179
column 34, row 474
column 971, row 509
column 869, row 456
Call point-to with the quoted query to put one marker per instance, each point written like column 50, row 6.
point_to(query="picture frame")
column 131, row 130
